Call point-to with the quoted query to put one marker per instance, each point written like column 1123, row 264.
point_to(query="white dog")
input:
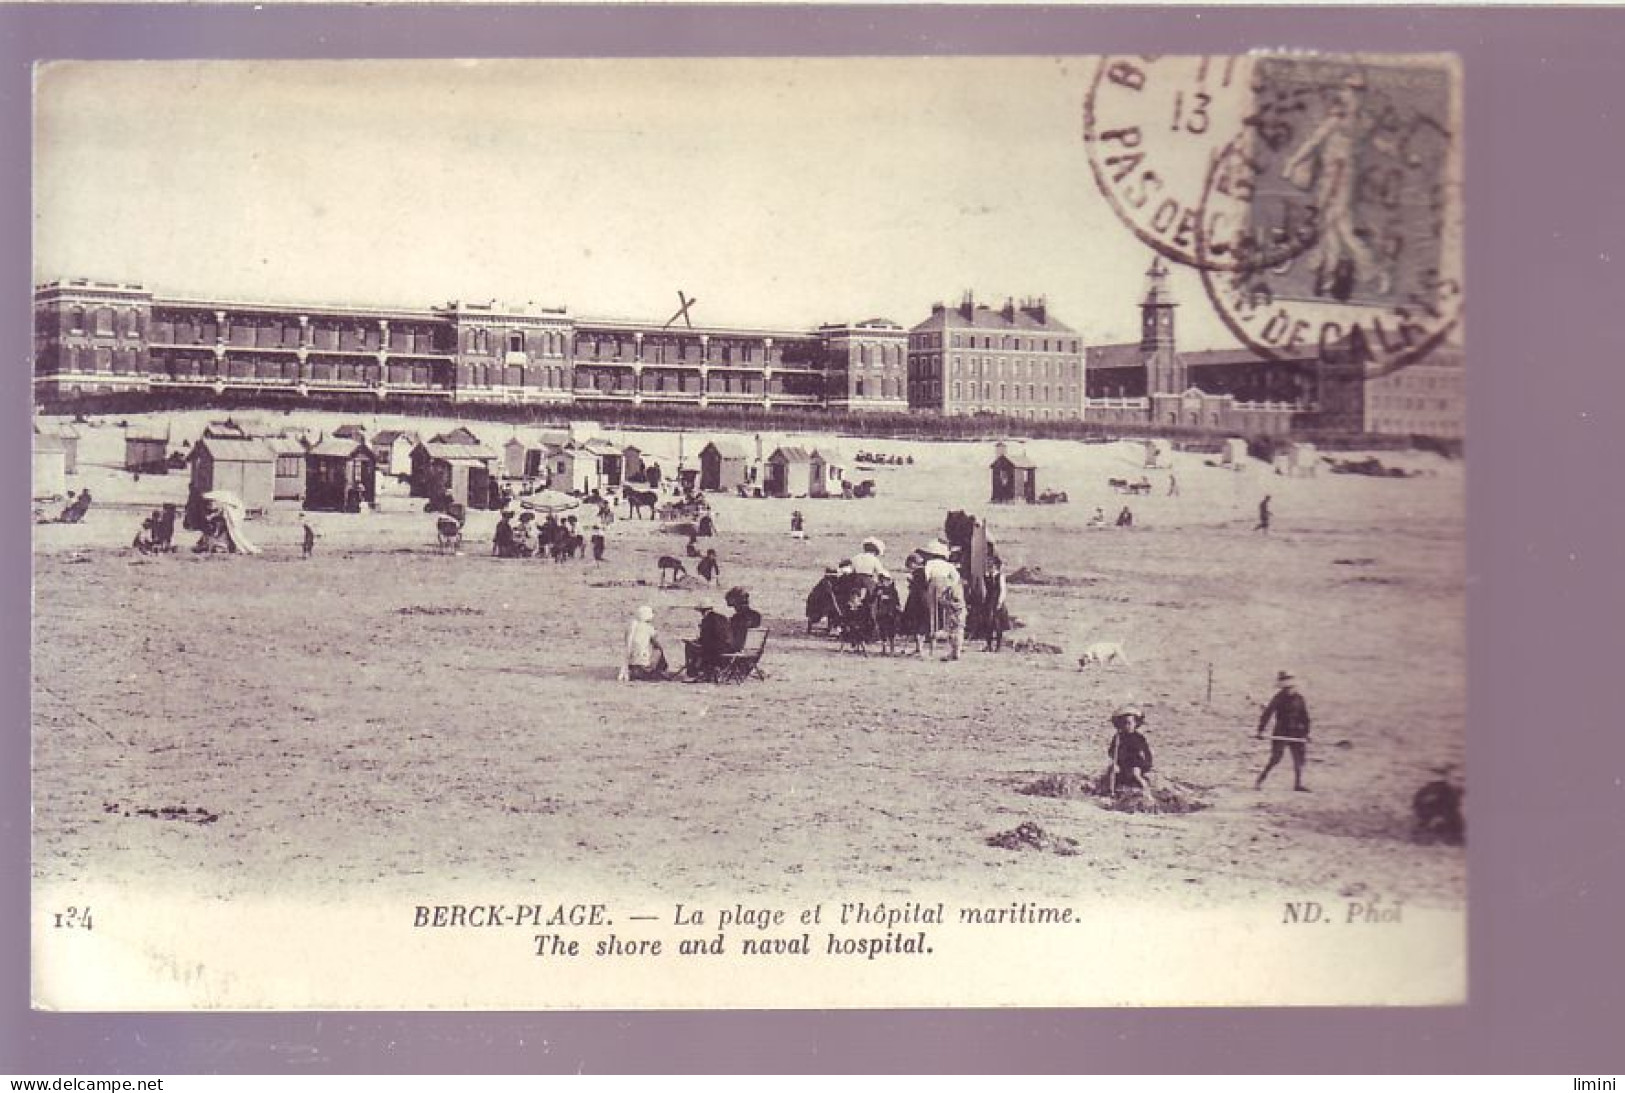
column 1103, row 653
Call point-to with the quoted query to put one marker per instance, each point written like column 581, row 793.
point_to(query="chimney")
column 1009, row 310
column 1038, row 308
column 967, row 305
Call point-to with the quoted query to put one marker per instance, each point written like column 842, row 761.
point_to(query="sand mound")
column 1170, row 797
column 1029, row 836
column 1035, row 575
column 417, row 610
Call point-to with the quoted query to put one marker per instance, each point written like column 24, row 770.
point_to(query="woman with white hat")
column 867, row 560
column 645, row 659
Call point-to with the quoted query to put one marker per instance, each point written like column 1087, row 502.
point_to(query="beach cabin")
column 145, row 453
column 516, row 458
column 571, row 469
column 69, row 435
column 1302, row 460
column 50, row 468
column 827, row 473
column 1158, row 454
column 632, row 463
column 608, row 456
column 245, row 467
column 341, row 475
column 392, row 448
column 789, row 473
column 460, row 435
column 723, row 466
column 1015, row 477
column 1233, row 453
column 290, row 467
column 461, row 471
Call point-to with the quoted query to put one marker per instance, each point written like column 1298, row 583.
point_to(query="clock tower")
column 1164, row 371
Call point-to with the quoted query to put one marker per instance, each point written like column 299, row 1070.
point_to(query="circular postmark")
column 1329, row 226
column 1153, row 127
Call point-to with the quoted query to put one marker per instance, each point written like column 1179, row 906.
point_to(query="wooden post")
column 1210, row 684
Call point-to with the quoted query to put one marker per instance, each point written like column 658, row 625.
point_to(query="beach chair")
column 742, row 665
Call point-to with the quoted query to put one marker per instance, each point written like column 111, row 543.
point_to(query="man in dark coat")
column 702, row 657
column 1291, row 716
column 744, row 618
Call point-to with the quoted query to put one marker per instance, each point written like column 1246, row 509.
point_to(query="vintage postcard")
column 749, row 533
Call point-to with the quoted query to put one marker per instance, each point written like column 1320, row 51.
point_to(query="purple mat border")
column 1546, row 242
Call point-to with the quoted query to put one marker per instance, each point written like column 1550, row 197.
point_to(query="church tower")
column 1164, row 371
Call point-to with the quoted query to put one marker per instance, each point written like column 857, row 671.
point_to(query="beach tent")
column 246, row 468
column 338, row 470
column 233, row 514
column 722, row 465
column 789, row 473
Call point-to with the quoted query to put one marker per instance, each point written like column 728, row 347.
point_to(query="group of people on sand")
column 157, row 534
column 703, row 656
column 559, row 540
column 936, row 600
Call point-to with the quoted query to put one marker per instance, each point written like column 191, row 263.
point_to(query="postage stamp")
column 1333, row 219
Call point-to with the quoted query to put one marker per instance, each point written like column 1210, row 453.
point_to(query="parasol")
column 550, row 501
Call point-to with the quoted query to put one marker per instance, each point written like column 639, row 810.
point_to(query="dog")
column 1102, row 653
column 674, row 568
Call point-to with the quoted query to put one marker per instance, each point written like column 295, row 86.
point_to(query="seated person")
column 1129, row 751
column 744, row 618
column 703, row 656
column 867, row 561
column 645, row 659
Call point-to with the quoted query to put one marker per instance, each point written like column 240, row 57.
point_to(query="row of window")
column 1403, row 402
column 1009, row 342
column 1007, row 392
column 104, row 321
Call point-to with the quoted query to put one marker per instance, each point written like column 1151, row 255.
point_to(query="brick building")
column 96, row 338
column 1018, row 360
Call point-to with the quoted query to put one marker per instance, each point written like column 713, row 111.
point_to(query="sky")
column 774, row 192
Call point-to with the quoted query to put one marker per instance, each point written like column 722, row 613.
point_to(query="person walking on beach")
column 1291, row 716
column 309, row 544
column 1264, row 515
column 1173, row 485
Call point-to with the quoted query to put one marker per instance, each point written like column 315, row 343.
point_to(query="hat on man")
column 1129, row 710
column 737, row 596
column 1282, row 679
column 936, row 548
column 874, row 546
